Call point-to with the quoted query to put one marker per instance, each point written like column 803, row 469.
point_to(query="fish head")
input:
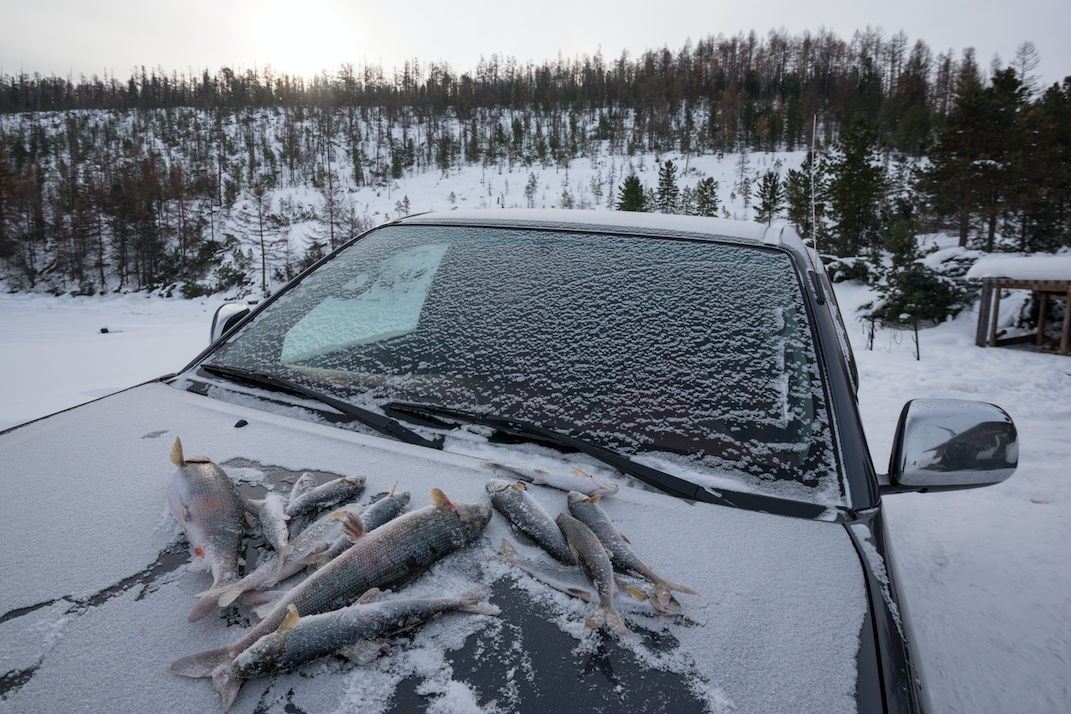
column 474, row 518
column 496, row 485
column 402, row 498
column 578, row 499
column 261, row 657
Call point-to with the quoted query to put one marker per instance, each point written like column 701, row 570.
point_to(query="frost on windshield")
column 696, row 354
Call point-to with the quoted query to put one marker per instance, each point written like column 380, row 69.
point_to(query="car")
column 696, row 369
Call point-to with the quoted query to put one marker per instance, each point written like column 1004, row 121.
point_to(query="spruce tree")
column 706, row 197
column 668, row 194
column 631, row 196
column 771, row 197
column 857, row 189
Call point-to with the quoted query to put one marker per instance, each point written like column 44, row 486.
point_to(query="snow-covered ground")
column 985, row 571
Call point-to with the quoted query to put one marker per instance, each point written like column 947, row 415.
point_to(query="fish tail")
column 227, row 683
column 206, row 605
column 472, row 601
column 202, row 664
column 662, row 588
column 606, row 615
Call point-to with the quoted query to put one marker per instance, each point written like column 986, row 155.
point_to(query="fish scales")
column 402, row 548
column 593, row 556
column 514, row 502
column 318, row 635
column 588, row 511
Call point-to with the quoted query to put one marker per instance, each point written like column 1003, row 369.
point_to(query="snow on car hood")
column 93, row 606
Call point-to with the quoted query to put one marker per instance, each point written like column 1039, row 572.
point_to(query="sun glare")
column 318, row 38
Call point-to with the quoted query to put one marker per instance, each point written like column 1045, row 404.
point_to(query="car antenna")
column 814, row 160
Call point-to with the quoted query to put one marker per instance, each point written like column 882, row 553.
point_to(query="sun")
column 319, row 37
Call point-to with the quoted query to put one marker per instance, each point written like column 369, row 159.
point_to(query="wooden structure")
column 989, row 310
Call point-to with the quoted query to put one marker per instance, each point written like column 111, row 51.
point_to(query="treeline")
column 186, row 179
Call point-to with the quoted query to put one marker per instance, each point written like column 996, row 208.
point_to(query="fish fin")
column 257, row 598
column 615, row 622
column 519, row 486
column 584, row 595
column 227, row 684
column 520, row 535
column 176, row 454
column 205, row 606
column 352, row 527
column 597, row 619
column 596, row 498
column 624, row 538
column 609, row 553
column 392, row 489
column 438, row 498
column 662, row 588
column 636, row 594
column 365, row 651
column 251, row 519
column 370, row 596
column 292, row 618
column 508, row 551
column 202, row 664
column 472, row 601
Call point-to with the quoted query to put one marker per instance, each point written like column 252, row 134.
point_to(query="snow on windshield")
column 698, row 354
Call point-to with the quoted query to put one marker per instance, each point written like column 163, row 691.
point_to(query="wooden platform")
column 989, row 309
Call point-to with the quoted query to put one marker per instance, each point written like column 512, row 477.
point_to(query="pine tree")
column 857, row 189
column 668, row 194
column 706, row 197
column 631, row 196
column 771, row 197
column 260, row 230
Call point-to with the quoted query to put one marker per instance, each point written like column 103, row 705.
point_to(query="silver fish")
column 304, row 483
column 587, row 510
column 324, row 496
column 312, row 541
column 597, row 562
column 515, row 503
column 210, row 510
column 575, row 480
column 391, row 553
column 348, row 630
column 271, row 513
column 633, row 594
column 379, row 513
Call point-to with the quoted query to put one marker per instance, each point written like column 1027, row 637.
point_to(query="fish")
column 515, row 503
column 211, row 512
column 313, row 541
column 271, row 513
column 633, row 594
column 392, row 553
column 587, row 510
column 577, row 480
column 304, row 483
column 348, row 631
column 326, row 495
column 377, row 514
column 596, row 560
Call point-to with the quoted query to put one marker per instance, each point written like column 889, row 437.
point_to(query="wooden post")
column 1041, row 318
column 1067, row 323
column 986, row 301
column 996, row 315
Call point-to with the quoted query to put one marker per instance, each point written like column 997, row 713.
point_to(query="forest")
column 187, row 182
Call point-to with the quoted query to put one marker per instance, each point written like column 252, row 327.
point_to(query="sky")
column 115, row 36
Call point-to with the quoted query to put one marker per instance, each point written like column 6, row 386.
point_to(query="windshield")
column 694, row 357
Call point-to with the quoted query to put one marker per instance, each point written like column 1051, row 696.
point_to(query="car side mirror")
column 947, row 444
column 226, row 317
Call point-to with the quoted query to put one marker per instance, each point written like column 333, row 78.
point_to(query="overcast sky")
column 304, row 36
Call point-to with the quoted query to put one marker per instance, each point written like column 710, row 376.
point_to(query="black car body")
column 799, row 606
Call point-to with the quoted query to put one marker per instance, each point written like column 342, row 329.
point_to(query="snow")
column 1017, row 267
column 984, row 571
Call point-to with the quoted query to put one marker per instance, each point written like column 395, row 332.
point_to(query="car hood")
column 94, row 595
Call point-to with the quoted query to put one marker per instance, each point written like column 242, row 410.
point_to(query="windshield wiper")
column 380, row 423
column 664, row 482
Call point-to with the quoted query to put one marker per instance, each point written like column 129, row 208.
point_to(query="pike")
column 633, row 594
column 596, row 560
column 352, row 631
column 576, row 481
column 392, row 553
column 515, row 503
column 588, row 511
column 210, row 510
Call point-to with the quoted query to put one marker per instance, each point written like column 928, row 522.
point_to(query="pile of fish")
column 352, row 552
column 589, row 549
column 336, row 608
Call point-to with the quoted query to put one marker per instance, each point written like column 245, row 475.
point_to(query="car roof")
column 653, row 224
